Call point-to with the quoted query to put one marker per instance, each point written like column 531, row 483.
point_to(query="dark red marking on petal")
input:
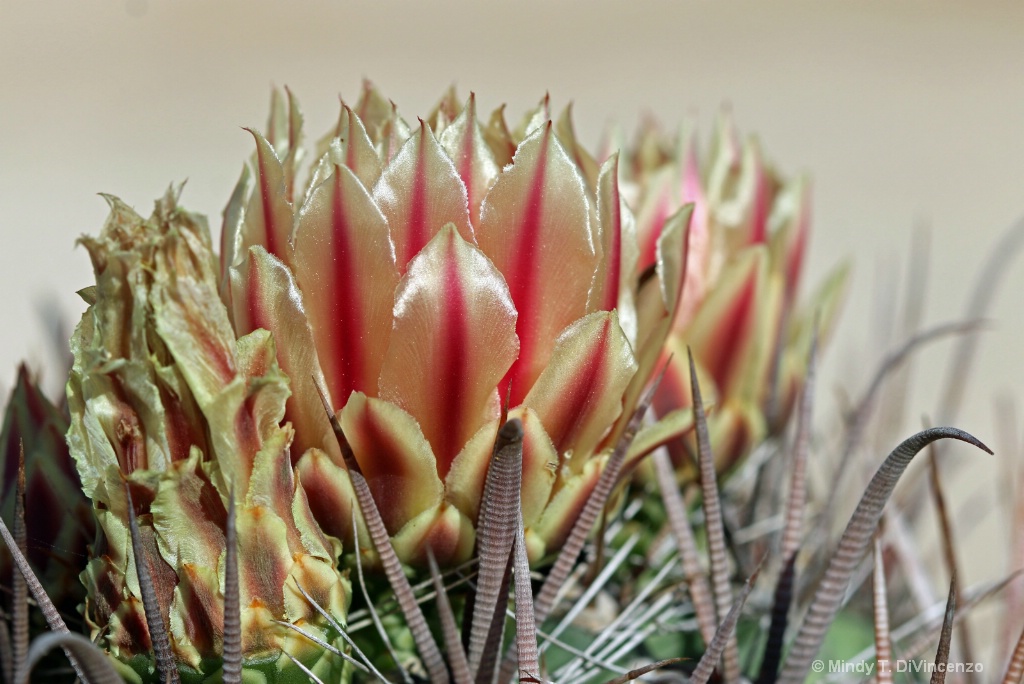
column 263, row 572
column 649, row 254
column 466, row 160
column 418, row 232
column 442, row 539
column 732, row 332
column 584, row 389
column 451, row 388
column 794, row 264
column 761, row 205
column 253, row 302
column 180, row 435
column 345, row 304
column 329, row 503
column 133, row 636
column 202, row 617
column 522, row 279
column 128, row 440
column 247, row 433
column 614, row 260
column 267, row 203
column 386, row 477
column 674, row 389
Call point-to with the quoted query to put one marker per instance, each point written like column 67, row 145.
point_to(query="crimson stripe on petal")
column 273, row 302
column 453, row 340
column 613, row 285
column 345, row 266
column 761, row 193
column 263, row 562
column 357, row 149
column 698, row 239
column 726, row 333
column 535, row 226
column 654, row 209
column 394, row 457
column 464, row 142
column 268, row 220
column 419, row 192
column 580, row 393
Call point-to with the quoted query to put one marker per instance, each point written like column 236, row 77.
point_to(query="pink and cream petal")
column 657, row 303
column 345, row 266
column 451, row 304
column 197, row 613
column 263, row 562
column 419, row 192
column 734, row 429
column 290, row 149
column 740, row 189
column 672, row 253
column 675, row 392
column 355, row 149
column 584, row 161
column 349, row 145
column 757, row 189
column 724, row 161
column 447, row 109
column 540, row 462
column 661, row 287
column 331, row 497
column 658, row 298
column 654, row 209
column 499, row 139
column 266, row 296
column 533, row 119
column 698, row 239
column 670, row 426
column 465, row 144
column 616, row 236
column 580, row 393
column 566, row 505
column 284, row 126
column 232, row 233
column 317, row 578
column 391, row 135
column 732, row 334
column 188, row 510
column 649, row 151
column 443, row 529
column 790, row 224
column 268, row 219
column 464, row 484
column 374, row 110
column 394, row 457
column 277, row 123
column 535, row 227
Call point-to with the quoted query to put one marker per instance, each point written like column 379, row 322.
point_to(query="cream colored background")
column 903, row 112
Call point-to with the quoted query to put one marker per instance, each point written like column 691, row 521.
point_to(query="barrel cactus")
column 438, row 352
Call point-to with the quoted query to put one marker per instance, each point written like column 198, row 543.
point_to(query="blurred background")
column 907, row 115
